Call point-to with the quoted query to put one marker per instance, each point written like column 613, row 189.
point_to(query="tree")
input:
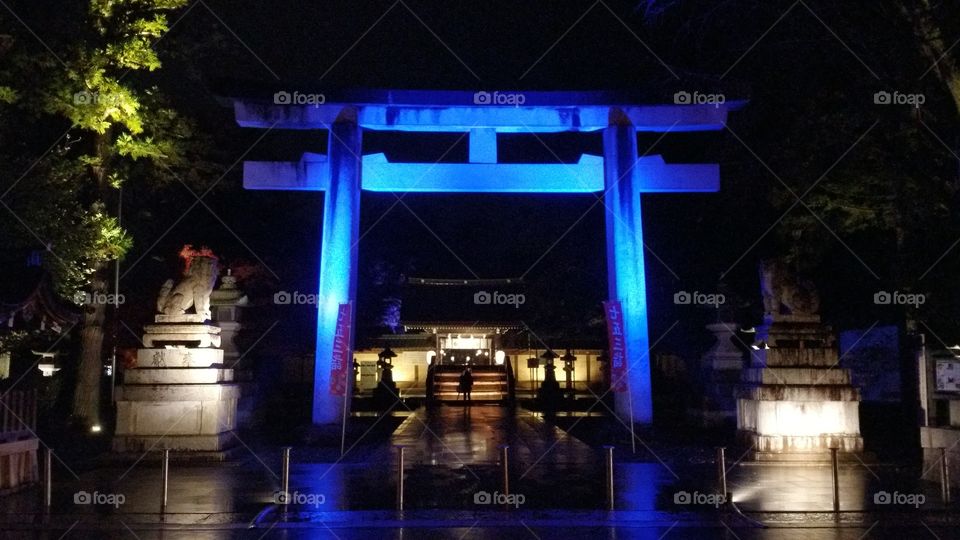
column 119, row 128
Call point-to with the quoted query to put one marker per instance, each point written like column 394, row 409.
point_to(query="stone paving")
column 452, row 453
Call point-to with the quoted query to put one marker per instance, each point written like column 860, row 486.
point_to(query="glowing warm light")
column 47, row 370
column 95, row 428
column 499, row 357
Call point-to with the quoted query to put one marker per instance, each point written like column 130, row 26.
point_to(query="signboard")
column 948, row 375
column 618, row 345
column 341, row 363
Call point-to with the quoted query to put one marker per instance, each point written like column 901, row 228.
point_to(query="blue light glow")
column 620, row 174
column 338, row 261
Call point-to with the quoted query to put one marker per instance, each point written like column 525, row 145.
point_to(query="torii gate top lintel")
column 483, row 115
column 460, row 111
column 620, row 174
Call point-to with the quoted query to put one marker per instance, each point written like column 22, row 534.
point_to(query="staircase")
column 490, row 384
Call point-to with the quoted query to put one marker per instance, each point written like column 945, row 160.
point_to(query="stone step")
column 178, row 357
column 798, row 357
column 171, row 393
column 799, row 392
column 177, row 375
column 796, row 376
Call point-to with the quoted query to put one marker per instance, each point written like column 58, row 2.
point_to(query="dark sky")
column 792, row 75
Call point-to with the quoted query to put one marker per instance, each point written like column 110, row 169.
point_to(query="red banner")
column 341, row 363
column 618, row 345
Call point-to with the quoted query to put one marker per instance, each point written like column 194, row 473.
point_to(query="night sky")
column 808, row 79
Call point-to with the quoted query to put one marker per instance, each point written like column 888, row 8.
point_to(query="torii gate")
column 344, row 171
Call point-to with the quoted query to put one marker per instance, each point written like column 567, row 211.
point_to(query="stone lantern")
column 386, row 393
column 568, row 361
column 385, row 363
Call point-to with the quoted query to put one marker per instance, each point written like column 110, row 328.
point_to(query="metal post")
column 506, row 468
column 609, row 484
column 47, row 478
column 944, row 477
column 165, row 473
column 722, row 470
column 836, row 480
column 400, row 450
column 285, row 477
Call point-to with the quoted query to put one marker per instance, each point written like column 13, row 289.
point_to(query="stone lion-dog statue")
column 784, row 293
column 193, row 290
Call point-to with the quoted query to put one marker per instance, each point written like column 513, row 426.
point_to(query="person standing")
column 466, row 383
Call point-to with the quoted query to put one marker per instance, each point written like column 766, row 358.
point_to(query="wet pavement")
column 453, row 489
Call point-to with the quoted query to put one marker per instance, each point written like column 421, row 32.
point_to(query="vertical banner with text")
column 618, row 346
column 341, row 362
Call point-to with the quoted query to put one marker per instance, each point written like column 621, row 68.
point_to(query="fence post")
column 836, row 479
column 609, row 475
column 505, row 460
column 944, row 477
column 47, row 478
column 285, row 477
column 400, row 450
column 722, row 470
column 165, row 474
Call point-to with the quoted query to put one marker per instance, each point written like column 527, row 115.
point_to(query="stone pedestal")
column 795, row 402
column 720, row 369
column 180, row 395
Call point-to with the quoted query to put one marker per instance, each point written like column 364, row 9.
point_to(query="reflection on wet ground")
column 452, row 468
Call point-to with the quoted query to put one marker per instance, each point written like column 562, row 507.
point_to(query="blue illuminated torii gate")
column 343, row 172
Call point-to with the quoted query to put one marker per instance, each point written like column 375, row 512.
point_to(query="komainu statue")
column 194, row 289
column 786, row 294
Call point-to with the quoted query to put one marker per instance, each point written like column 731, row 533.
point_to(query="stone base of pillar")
column 18, row 465
column 178, row 397
column 795, row 402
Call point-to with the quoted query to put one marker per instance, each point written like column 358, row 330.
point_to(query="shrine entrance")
column 620, row 176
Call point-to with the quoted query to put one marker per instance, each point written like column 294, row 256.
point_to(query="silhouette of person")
column 466, row 383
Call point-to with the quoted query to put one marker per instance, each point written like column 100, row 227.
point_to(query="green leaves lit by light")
column 8, row 94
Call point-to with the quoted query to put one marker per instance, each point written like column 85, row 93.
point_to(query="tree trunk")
column 934, row 46
column 86, row 400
